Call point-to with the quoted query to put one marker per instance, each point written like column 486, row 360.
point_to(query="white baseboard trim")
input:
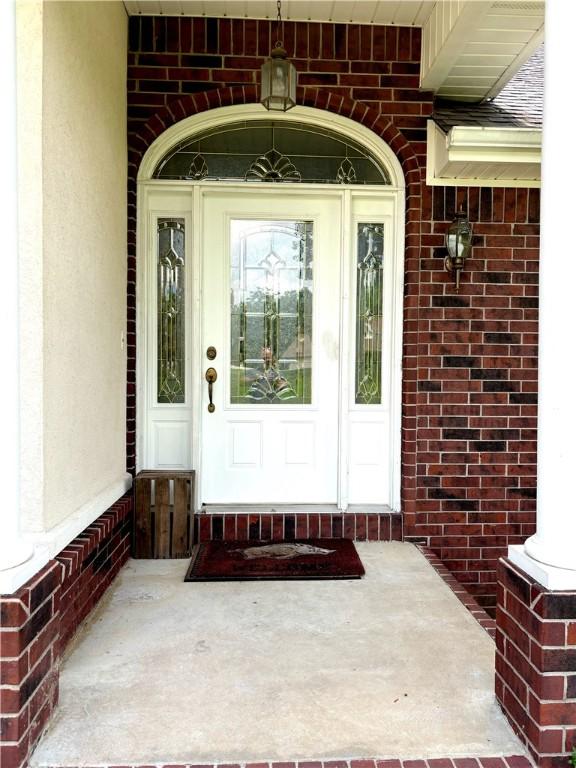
column 48, row 544
column 62, row 534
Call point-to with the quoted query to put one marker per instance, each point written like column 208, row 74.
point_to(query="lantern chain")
column 278, row 24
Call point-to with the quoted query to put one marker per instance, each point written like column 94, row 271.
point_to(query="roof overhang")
column 474, row 156
column 471, row 49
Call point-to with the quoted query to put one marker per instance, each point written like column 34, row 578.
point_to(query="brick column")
column 29, row 660
column 536, row 664
column 39, row 620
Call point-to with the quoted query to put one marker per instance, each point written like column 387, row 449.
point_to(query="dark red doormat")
column 248, row 560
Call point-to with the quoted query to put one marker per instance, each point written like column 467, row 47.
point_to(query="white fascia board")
column 480, row 146
column 465, row 142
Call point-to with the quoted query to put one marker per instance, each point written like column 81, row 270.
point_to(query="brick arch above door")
column 384, row 128
column 186, row 106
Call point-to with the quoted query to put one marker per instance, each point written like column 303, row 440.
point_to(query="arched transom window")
column 271, row 151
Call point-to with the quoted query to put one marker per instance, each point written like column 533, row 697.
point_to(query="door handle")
column 211, row 377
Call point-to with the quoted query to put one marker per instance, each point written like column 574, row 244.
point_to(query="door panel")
column 271, row 307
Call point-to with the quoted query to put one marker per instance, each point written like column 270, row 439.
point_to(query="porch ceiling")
column 470, row 48
column 401, row 12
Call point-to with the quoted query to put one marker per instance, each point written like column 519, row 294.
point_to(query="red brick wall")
column 476, row 384
column 468, row 401
column 90, row 564
column 39, row 620
column 536, row 664
column 29, row 659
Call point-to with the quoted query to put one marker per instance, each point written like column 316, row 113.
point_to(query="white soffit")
column 400, row 12
column 472, row 48
column 477, row 156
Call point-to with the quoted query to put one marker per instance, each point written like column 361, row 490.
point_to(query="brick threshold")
column 486, row 622
column 507, row 761
column 277, row 526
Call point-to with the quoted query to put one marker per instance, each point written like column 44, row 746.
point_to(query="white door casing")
column 357, row 460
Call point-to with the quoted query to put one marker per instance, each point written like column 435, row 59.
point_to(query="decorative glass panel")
column 369, row 292
column 272, row 151
column 271, row 312
column 171, row 316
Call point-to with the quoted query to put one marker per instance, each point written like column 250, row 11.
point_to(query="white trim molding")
column 212, row 118
column 57, row 538
column 157, row 196
column 46, row 545
column 475, row 156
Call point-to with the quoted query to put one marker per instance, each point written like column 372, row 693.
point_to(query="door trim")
column 212, row 118
column 147, row 187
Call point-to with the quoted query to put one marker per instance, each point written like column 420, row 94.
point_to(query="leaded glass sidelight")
column 171, row 314
column 271, row 312
column 369, row 294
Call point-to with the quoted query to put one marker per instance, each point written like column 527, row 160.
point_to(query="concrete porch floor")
column 391, row 665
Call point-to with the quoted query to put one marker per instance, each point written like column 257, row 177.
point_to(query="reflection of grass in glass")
column 241, row 379
column 271, row 307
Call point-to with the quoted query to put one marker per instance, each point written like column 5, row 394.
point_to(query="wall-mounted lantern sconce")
column 278, row 76
column 458, row 244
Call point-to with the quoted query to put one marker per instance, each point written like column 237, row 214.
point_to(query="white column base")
column 548, row 576
column 12, row 578
column 560, row 552
column 13, row 551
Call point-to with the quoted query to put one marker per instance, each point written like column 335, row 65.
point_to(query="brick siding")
column 536, row 664
column 39, row 620
column 499, row 761
column 30, row 655
column 278, row 526
column 91, row 563
column 476, row 384
column 469, row 359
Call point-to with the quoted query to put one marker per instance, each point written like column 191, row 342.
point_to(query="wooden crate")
column 163, row 514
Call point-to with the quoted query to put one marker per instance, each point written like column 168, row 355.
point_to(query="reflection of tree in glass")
column 272, row 356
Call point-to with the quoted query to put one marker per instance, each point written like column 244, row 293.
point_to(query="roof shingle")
column 519, row 104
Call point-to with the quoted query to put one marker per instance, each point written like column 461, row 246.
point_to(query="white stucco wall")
column 83, row 259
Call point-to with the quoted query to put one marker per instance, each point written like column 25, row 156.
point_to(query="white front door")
column 271, row 310
column 299, row 291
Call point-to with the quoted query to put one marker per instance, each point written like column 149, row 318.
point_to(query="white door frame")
column 147, row 187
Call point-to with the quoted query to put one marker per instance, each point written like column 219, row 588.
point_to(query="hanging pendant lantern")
column 278, row 77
